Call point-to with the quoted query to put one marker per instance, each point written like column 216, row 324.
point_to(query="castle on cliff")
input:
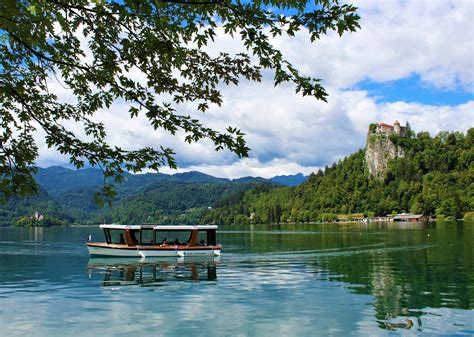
column 380, row 150
column 384, row 128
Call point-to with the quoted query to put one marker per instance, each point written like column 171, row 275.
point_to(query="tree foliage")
column 95, row 49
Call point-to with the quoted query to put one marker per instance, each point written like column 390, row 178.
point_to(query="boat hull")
column 103, row 250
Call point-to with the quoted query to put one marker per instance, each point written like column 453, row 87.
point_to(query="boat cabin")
column 156, row 235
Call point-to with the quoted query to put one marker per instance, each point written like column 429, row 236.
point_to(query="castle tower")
column 396, row 128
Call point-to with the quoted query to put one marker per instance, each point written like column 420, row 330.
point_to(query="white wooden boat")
column 155, row 240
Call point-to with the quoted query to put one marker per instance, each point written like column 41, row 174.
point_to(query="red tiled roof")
column 385, row 124
column 396, row 122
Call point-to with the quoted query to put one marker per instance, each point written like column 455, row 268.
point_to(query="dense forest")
column 435, row 178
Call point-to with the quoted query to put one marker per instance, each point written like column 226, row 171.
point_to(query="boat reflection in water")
column 152, row 271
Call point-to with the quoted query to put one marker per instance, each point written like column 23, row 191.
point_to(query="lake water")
column 291, row 280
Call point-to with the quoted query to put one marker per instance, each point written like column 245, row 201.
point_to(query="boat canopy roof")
column 117, row 226
column 183, row 228
column 159, row 227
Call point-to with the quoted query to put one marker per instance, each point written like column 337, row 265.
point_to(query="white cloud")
column 248, row 167
column 288, row 133
column 397, row 38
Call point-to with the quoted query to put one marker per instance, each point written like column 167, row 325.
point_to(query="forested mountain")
column 56, row 180
column 434, row 177
column 67, row 196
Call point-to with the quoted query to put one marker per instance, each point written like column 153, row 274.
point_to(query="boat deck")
column 151, row 247
column 105, row 249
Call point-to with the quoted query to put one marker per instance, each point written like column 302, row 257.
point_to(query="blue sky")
column 412, row 89
column 411, row 60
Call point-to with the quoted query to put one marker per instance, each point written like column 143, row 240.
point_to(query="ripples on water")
column 274, row 280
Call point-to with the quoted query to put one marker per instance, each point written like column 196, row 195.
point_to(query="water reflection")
column 433, row 269
column 35, row 233
column 152, row 272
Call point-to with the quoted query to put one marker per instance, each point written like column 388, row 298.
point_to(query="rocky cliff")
column 379, row 151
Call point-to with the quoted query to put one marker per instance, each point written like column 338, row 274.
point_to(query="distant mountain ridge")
column 57, row 179
column 290, row 180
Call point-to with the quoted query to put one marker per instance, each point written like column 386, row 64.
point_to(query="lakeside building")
column 357, row 217
column 405, row 217
column 386, row 218
column 402, row 217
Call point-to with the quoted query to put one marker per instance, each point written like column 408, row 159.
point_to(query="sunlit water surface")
column 291, row 280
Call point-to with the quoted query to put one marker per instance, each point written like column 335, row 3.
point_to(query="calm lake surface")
column 290, row 280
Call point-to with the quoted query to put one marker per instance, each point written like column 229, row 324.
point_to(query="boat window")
column 172, row 237
column 117, row 236
column 134, row 233
column 202, row 238
column 147, row 237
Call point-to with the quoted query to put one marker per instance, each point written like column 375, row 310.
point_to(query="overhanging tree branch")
column 165, row 41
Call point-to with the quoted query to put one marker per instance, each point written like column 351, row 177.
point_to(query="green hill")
column 19, row 208
column 434, row 177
